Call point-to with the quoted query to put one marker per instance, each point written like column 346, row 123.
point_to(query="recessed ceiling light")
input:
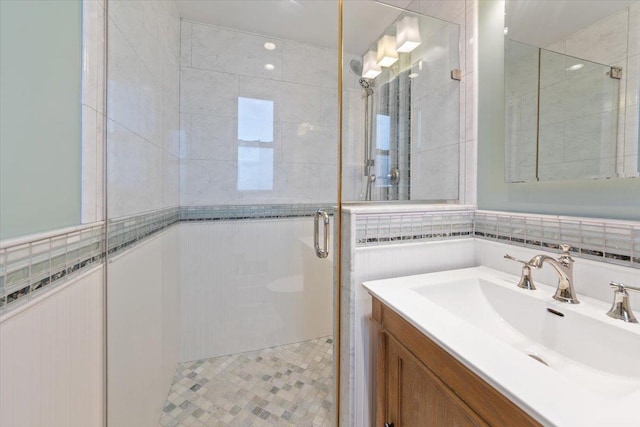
column 269, row 46
column 269, row 67
column 413, row 75
column 575, row 67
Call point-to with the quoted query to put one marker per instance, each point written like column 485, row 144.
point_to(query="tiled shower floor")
column 290, row 385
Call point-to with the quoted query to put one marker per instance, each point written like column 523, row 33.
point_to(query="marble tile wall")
column 463, row 13
column 143, row 116
column 435, row 118
column 219, row 66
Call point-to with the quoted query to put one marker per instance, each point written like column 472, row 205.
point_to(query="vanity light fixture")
column 413, row 75
column 407, row 34
column 270, row 46
column 506, row 30
column 269, row 67
column 370, row 67
column 387, row 54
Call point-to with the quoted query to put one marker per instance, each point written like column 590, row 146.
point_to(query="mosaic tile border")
column 31, row 268
column 613, row 242
column 392, row 228
column 28, row 269
column 125, row 233
column 237, row 212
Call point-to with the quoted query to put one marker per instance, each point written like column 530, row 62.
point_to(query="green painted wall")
column 40, row 115
column 613, row 198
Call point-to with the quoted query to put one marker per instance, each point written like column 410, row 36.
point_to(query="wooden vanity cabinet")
column 418, row 384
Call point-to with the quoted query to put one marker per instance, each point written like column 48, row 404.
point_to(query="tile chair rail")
column 29, row 267
column 614, row 242
column 235, row 212
column 393, row 228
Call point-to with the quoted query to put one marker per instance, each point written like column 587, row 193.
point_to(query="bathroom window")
column 255, row 144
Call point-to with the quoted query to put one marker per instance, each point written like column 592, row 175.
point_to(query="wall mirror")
column 401, row 106
column 571, row 90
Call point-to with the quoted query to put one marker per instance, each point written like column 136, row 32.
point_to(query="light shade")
column 407, row 34
column 387, row 54
column 370, row 67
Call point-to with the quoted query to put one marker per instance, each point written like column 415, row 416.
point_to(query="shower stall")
column 222, row 178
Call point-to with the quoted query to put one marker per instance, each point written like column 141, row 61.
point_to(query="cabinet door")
column 417, row 398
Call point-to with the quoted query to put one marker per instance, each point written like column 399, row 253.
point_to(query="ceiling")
column 307, row 21
column 542, row 22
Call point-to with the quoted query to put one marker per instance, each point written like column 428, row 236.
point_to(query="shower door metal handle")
column 324, row 252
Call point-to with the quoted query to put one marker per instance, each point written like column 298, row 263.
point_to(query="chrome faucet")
column 564, row 267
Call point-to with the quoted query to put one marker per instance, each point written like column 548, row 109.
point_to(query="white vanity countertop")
column 550, row 397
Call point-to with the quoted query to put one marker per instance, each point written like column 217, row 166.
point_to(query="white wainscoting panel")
column 143, row 330
column 381, row 262
column 251, row 284
column 51, row 358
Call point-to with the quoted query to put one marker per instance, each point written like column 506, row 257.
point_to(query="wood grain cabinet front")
column 418, row 384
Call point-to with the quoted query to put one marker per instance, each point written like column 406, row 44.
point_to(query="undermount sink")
column 570, row 340
column 565, row 364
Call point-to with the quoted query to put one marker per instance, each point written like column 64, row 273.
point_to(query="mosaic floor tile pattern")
column 291, row 385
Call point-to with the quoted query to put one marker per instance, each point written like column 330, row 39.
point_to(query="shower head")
column 367, row 85
column 364, row 83
column 356, row 67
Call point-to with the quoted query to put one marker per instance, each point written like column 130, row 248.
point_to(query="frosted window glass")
column 255, row 120
column 255, row 168
column 40, row 117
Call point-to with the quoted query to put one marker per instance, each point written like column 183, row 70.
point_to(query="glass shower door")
column 222, row 146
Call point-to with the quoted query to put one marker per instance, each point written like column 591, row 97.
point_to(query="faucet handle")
column 621, row 287
column 526, row 282
column 565, row 256
column 526, row 263
column 620, row 308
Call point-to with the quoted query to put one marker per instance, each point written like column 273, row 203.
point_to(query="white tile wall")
column 143, row 109
column 218, row 66
column 462, row 12
column 265, row 288
column 52, row 358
